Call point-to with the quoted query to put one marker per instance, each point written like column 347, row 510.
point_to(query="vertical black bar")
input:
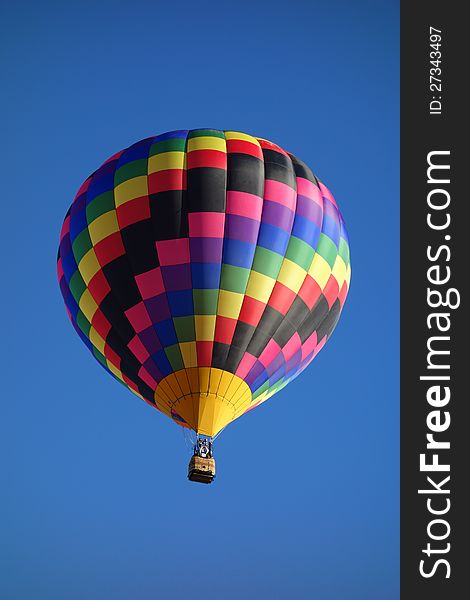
column 434, row 246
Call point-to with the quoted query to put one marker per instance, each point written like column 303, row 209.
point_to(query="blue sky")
column 96, row 503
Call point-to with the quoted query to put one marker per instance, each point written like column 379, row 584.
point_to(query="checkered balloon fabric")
column 204, row 269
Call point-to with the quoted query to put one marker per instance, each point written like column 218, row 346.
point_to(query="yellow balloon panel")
column 206, row 399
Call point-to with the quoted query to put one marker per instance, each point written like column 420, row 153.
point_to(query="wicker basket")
column 201, row 469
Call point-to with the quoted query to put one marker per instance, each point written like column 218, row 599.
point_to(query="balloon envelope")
column 204, row 269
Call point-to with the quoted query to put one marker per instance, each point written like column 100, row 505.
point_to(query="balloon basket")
column 201, row 469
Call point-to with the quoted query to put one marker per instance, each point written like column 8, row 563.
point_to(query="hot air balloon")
column 204, row 270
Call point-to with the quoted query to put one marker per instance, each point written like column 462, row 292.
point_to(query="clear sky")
column 95, row 501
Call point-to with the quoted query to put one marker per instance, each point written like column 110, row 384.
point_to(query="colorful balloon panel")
column 204, row 269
